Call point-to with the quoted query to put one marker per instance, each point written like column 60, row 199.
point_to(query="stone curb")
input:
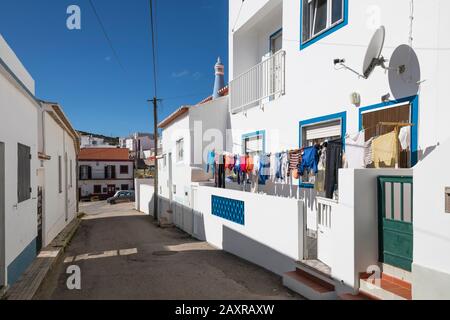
column 30, row 282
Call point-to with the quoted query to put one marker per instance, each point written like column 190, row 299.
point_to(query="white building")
column 308, row 97
column 103, row 171
column 89, row 141
column 57, row 172
column 138, row 142
column 385, row 228
column 36, row 145
column 185, row 134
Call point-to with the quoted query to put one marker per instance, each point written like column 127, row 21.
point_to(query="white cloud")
column 180, row 74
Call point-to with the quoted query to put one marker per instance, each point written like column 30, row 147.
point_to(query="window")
column 123, row 169
column 85, row 172
column 110, row 172
column 71, row 174
column 317, row 131
column 319, row 16
column 276, row 42
column 97, row 189
column 399, row 114
column 180, row 150
column 124, row 187
column 23, row 173
column 60, row 174
column 254, row 143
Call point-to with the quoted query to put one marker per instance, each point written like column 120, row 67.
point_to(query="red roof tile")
column 105, row 154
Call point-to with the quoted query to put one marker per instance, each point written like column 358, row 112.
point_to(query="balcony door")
column 276, row 44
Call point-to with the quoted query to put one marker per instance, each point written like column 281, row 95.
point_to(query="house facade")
column 292, row 47
column 104, row 171
column 58, row 145
column 185, row 135
column 38, row 149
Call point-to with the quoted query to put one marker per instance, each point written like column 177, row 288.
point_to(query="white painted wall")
column 144, row 195
column 355, row 224
column 18, row 110
column 431, row 267
column 273, row 233
column 58, row 143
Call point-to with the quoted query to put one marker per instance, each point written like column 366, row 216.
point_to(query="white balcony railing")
column 265, row 81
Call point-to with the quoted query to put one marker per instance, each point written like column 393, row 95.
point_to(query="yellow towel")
column 384, row 150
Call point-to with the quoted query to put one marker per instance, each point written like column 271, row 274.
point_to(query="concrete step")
column 309, row 286
column 361, row 296
column 317, row 269
column 385, row 288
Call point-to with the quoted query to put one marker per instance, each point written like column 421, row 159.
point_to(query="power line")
column 238, row 16
column 152, row 27
column 108, row 39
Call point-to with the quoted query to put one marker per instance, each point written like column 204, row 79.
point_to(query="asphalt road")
column 122, row 254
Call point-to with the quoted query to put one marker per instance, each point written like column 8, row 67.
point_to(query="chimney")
column 220, row 78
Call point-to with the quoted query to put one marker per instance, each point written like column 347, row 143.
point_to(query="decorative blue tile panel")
column 229, row 209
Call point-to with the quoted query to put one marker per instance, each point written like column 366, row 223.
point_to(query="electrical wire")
column 108, row 39
column 238, row 16
column 152, row 27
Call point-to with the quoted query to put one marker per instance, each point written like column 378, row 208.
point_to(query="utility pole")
column 155, row 174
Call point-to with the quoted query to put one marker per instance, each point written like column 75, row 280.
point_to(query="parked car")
column 122, row 196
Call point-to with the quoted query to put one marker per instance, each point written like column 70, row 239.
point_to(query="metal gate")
column 395, row 207
column 39, row 219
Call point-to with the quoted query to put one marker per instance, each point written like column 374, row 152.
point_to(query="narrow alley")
column 123, row 255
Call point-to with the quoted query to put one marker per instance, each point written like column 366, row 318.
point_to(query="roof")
column 56, row 111
column 184, row 109
column 178, row 113
column 104, row 154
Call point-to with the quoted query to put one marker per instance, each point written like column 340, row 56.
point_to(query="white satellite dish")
column 404, row 72
column 373, row 56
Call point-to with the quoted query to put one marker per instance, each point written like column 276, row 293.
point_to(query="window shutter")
column 89, row 172
column 113, row 172
column 327, row 130
column 23, row 173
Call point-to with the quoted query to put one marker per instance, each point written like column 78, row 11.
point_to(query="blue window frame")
column 274, row 36
column 414, row 101
column 342, row 116
column 260, row 133
column 320, row 18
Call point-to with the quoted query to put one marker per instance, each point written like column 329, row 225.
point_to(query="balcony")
column 262, row 83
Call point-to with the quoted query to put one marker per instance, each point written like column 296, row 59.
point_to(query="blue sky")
column 78, row 69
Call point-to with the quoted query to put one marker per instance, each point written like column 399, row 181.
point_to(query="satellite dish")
column 373, row 55
column 404, row 72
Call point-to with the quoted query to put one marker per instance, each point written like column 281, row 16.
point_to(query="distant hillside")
column 109, row 140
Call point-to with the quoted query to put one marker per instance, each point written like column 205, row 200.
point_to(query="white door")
column 324, row 236
column 2, row 215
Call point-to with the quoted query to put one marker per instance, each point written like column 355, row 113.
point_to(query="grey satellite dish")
column 404, row 72
column 373, row 55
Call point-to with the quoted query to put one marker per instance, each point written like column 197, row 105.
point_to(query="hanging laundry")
column 284, row 166
column 295, row 158
column 355, row 150
column 249, row 164
column 368, row 153
column 210, row 162
column 333, row 164
column 243, row 164
column 309, row 161
column 405, row 137
column 278, row 166
column 237, row 168
column 384, row 150
column 220, row 172
column 264, row 169
column 229, row 162
column 319, row 185
column 273, row 167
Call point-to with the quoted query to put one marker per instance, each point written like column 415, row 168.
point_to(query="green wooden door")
column 395, row 206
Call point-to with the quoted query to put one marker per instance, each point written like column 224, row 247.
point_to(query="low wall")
column 144, row 192
column 269, row 233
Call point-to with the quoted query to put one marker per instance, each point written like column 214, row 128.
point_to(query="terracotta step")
column 361, row 296
column 386, row 288
column 309, row 286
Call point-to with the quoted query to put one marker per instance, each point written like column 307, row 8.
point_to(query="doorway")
column 111, row 190
column 395, row 206
column 2, row 216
